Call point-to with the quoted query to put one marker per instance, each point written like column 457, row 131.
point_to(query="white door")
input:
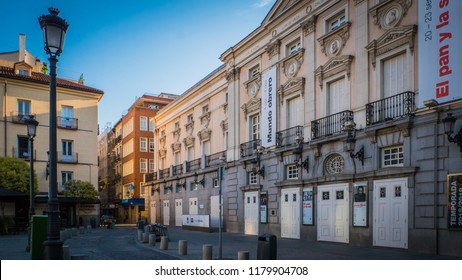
column 390, row 213
column 67, row 115
column 333, row 213
column 290, row 213
column 153, row 206
column 193, row 207
column 166, row 209
column 251, row 213
column 179, row 212
column 215, row 211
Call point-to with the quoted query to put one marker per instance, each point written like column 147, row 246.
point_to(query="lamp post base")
column 53, row 249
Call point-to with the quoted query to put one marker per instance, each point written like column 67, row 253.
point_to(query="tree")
column 44, row 68
column 82, row 190
column 14, row 175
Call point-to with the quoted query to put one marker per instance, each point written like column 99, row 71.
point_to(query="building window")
column 151, row 145
column 143, row 123
column 190, row 153
column 176, row 158
column 292, row 172
column 394, row 75
column 336, row 21
column 66, row 176
column 206, row 148
column 254, row 71
column 176, row 126
column 253, row 178
column 23, row 72
column 151, row 125
column 67, row 116
column 338, row 96
column 294, row 47
column 143, row 165
column 23, row 147
column 23, row 108
column 142, row 189
column 294, row 112
column 189, row 118
column 392, row 156
column 255, row 127
column 205, row 109
column 67, row 153
column 215, row 183
column 151, row 166
column 143, row 145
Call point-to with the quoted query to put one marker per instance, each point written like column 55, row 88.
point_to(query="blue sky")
column 128, row 48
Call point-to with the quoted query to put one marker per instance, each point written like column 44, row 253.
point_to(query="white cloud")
column 262, row 3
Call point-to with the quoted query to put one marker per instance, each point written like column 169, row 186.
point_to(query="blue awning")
column 132, row 201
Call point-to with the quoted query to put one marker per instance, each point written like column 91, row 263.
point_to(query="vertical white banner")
column 268, row 108
column 440, row 45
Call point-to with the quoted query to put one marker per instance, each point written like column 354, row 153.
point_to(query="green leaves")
column 82, row 190
column 14, row 174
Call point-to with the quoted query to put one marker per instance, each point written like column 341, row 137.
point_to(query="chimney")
column 22, row 47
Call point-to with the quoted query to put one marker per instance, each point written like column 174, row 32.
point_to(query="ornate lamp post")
column 54, row 30
column 32, row 124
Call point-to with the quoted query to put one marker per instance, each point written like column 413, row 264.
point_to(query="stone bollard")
column 243, row 255
column 68, row 233
column 66, row 252
column 182, row 247
column 82, row 230
column 140, row 235
column 152, row 239
column 146, row 237
column 207, row 251
column 89, row 229
column 62, row 235
column 73, row 231
column 79, row 257
column 163, row 243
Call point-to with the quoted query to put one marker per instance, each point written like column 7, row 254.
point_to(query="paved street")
column 121, row 244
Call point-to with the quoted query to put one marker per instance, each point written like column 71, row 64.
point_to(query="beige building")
column 24, row 92
column 318, row 118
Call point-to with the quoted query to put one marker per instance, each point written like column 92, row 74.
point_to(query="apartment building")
column 25, row 92
column 325, row 128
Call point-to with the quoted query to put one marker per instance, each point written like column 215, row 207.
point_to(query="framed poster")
column 455, row 201
column 360, row 205
column 263, row 207
column 307, row 206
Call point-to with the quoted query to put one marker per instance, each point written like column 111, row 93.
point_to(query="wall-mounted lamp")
column 449, row 123
column 256, row 167
column 201, row 181
column 153, row 189
column 298, row 152
column 350, row 126
column 179, row 184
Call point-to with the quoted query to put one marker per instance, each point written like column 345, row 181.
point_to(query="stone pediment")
column 291, row 86
column 279, row 9
column 333, row 42
column 292, row 64
column 333, row 67
column 189, row 127
column 176, row 147
column 392, row 39
column 204, row 134
column 253, row 105
column 205, row 119
column 162, row 152
column 189, row 141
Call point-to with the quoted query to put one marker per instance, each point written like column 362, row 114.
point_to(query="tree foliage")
column 82, row 190
column 14, row 175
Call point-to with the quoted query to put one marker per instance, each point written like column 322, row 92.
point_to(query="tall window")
column 23, row 147
column 67, row 115
column 206, row 148
column 190, row 153
column 338, row 97
column 143, row 144
column 151, row 145
column 255, row 127
column 176, row 158
column 67, row 146
column 66, row 176
column 23, row 108
column 151, row 166
column 294, row 109
column 143, row 123
column 292, row 172
column 151, row 125
column 394, row 75
column 143, row 165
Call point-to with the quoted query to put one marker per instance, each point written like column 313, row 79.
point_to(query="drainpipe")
column 4, row 117
column 435, row 179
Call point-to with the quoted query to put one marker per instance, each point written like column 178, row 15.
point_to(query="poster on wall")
column 455, row 201
column 308, row 206
column 268, row 108
column 360, row 205
column 440, row 58
column 263, row 207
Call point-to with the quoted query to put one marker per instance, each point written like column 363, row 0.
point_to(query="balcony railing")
column 177, row 169
column 215, row 159
column 118, row 157
column 20, row 117
column 249, row 148
column 193, row 165
column 118, row 139
column 330, row 125
column 164, row 173
column 390, row 108
column 67, row 123
column 72, row 158
column 149, row 177
column 289, row 136
column 23, row 153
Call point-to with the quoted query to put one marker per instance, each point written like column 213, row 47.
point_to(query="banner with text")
column 455, row 201
column 440, row 58
column 268, row 108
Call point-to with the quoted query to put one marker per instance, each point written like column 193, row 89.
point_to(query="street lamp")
column 54, row 30
column 32, row 124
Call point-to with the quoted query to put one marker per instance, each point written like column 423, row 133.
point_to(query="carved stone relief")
column 388, row 14
column 333, row 42
column 189, row 141
column 273, row 48
column 204, row 134
column 292, row 64
column 205, row 119
column 176, row 147
column 253, row 86
column 291, row 86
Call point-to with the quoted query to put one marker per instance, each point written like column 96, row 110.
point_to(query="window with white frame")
column 151, row 145
column 206, row 148
column 143, row 123
column 392, row 156
column 205, row 109
column 23, row 108
column 338, row 97
column 215, row 183
column 253, row 180
column 143, row 144
column 293, row 46
column 190, row 153
column 336, row 21
column 176, row 158
column 67, row 150
column 151, row 125
column 292, row 172
column 254, row 71
column 66, row 176
column 143, row 165
column 151, row 166
column 294, row 110
column 394, row 75
column 255, row 127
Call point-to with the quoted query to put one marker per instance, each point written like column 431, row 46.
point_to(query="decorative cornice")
column 334, row 66
column 309, row 26
column 357, row 2
column 224, row 125
column 388, row 14
column 205, row 119
column 162, row 152
column 176, row 134
column 273, row 48
column 390, row 40
column 253, row 105
column 233, row 75
column 333, row 42
column 291, row 86
column 204, row 134
column 189, row 141
column 189, row 127
column 176, row 147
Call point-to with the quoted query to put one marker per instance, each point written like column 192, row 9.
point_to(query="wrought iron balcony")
column 250, row 148
column 150, row 177
column 215, row 159
column 164, row 173
column 67, row 123
column 330, row 125
column 20, row 117
column 193, row 165
column 391, row 108
column 289, row 136
column 177, row 169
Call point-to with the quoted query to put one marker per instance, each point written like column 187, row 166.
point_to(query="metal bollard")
column 243, row 255
column 152, row 239
column 66, row 252
column 182, row 247
column 163, row 243
column 145, row 237
column 207, row 252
